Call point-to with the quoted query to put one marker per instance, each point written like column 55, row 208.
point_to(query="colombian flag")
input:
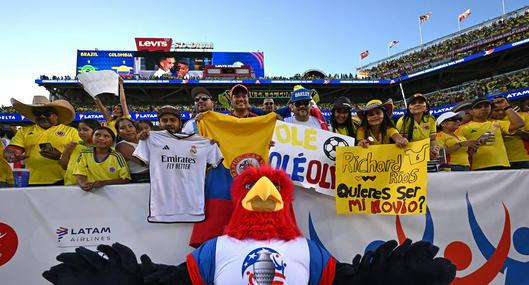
column 243, row 142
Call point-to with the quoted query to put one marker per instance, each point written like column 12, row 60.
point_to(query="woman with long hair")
column 127, row 143
column 417, row 124
column 341, row 119
column 377, row 127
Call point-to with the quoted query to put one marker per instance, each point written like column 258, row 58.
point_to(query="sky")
column 42, row 37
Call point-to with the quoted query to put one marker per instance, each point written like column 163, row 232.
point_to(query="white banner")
column 307, row 155
column 467, row 218
column 98, row 82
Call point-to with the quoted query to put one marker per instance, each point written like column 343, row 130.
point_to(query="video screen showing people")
column 179, row 65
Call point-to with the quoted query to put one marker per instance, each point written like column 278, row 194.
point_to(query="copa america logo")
column 264, row 266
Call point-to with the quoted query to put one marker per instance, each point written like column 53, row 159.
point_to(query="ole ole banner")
column 382, row 179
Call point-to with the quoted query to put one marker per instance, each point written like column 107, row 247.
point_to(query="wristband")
column 507, row 108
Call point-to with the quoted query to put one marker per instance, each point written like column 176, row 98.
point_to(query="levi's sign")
column 153, row 44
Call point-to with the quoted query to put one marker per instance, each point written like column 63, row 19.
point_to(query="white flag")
column 97, row 82
column 392, row 44
column 464, row 15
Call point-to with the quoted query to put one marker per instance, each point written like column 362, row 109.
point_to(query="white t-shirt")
column 311, row 122
column 160, row 72
column 190, row 127
column 177, row 164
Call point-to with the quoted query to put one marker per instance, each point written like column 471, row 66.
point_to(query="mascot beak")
column 263, row 197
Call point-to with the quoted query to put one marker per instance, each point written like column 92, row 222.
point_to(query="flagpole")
column 420, row 30
column 403, row 96
column 458, row 25
column 503, row 6
column 388, row 50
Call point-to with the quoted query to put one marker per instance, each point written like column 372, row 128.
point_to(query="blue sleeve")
column 319, row 257
column 257, row 111
column 283, row 111
column 205, row 259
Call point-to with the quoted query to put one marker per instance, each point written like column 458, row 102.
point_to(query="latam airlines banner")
column 307, row 155
column 478, row 219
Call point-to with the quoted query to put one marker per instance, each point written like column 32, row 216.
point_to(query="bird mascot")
column 261, row 245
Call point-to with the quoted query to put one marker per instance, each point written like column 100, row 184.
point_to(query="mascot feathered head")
column 263, row 209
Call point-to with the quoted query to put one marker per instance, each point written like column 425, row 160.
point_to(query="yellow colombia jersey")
column 69, row 178
column 112, row 123
column 422, row 130
column 44, row 170
column 488, row 155
column 458, row 157
column 517, row 149
column 6, row 175
column 360, row 135
column 113, row 167
column 228, row 131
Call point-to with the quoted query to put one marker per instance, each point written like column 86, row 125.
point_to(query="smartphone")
column 46, row 147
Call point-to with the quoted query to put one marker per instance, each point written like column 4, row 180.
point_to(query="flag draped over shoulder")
column 243, row 142
column 464, row 15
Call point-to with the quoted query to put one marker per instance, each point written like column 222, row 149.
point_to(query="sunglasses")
column 46, row 113
column 202, row 98
column 301, row 103
column 268, row 103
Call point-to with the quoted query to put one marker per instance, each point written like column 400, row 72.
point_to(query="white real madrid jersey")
column 177, row 165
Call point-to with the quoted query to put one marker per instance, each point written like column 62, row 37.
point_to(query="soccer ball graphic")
column 329, row 147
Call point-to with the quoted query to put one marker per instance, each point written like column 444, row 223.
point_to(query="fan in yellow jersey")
column 41, row 144
column 457, row 147
column 491, row 154
column 417, row 124
column 517, row 147
column 377, row 127
column 118, row 111
column 6, row 175
column 72, row 150
column 101, row 165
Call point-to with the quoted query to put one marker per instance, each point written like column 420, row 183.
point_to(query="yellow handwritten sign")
column 382, row 179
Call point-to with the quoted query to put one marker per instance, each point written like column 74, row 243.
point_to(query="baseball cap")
column 462, row 106
column 200, row 90
column 415, row 97
column 342, row 103
column 479, row 101
column 302, row 94
column 448, row 115
column 237, row 88
column 168, row 109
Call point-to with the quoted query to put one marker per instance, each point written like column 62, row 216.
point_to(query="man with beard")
column 269, row 105
column 203, row 103
column 300, row 105
column 41, row 144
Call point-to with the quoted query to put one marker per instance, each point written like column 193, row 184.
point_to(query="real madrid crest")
column 193, row 149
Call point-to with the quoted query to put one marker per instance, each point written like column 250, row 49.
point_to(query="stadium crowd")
column 479, row 134
column 480, row 38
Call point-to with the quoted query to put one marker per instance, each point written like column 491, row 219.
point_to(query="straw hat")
column 64, row 109
column 373, row 104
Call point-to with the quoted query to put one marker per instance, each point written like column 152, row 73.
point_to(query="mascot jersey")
column 177, row 165
column 226, row 260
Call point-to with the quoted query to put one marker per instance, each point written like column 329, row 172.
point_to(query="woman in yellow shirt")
column 71, row 152
column 341, row 119
column 417, row 124
column 377, row 127
column 101, row 165
column 457, row 148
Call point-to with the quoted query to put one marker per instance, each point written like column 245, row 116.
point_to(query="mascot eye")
column 278, row 187
column 248, row 185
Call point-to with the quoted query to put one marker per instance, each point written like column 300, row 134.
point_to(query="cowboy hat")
column 375, row 103
column 64, row 109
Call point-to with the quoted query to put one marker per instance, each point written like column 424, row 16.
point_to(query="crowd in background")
column 480, row 39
